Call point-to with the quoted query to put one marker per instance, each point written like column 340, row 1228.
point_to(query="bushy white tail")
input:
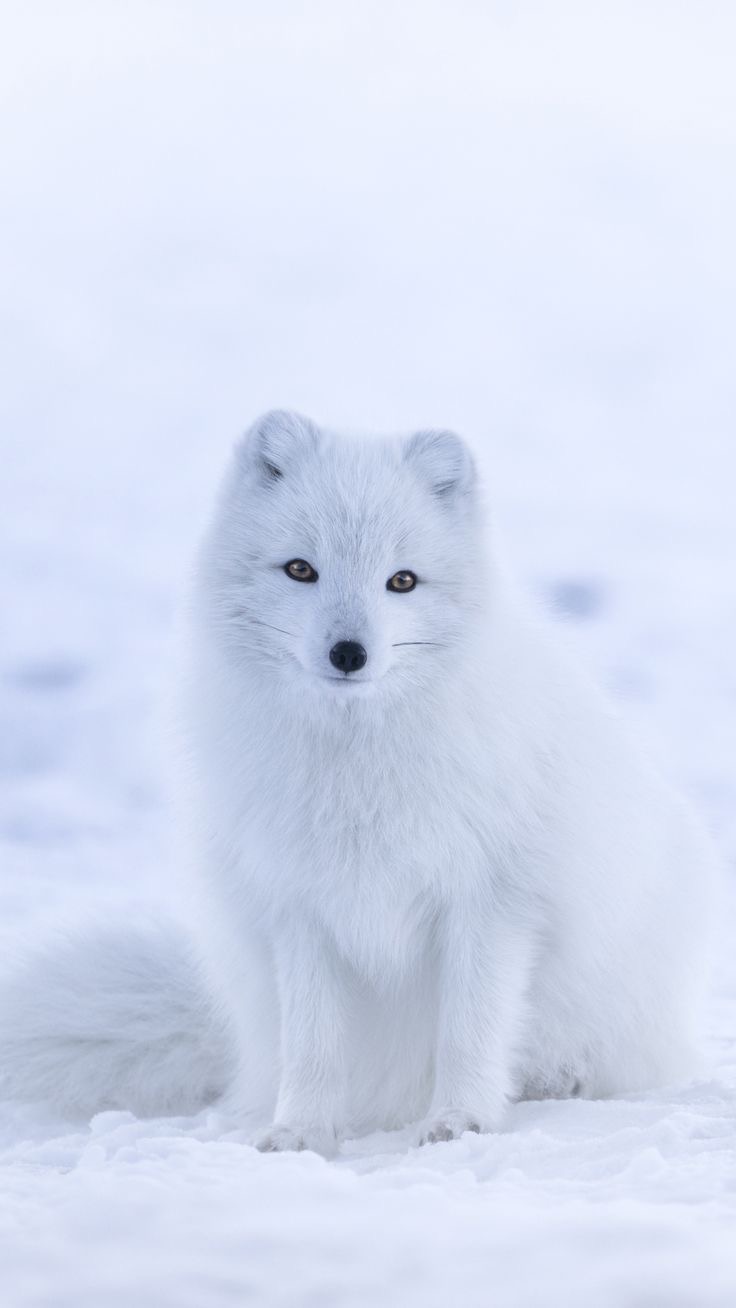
column 112, row 1017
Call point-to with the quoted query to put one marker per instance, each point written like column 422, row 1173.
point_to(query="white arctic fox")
column 433, row 874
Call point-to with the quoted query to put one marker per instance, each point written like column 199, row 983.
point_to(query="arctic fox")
column 433, row 874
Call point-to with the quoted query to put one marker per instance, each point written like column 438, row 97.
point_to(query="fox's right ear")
column 275, row 440
column 443, row 461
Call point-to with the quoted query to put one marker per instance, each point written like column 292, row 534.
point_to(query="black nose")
column 348, row 656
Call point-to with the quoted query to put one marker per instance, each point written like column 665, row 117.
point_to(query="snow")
column 511, row 219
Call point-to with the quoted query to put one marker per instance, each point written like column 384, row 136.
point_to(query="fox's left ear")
column 443, row 460
column 276, row 440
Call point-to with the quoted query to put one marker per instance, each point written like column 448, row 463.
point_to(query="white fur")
column 112, row 1017
column 444, row 882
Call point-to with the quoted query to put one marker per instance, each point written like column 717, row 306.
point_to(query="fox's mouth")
column 348, row 680
column 347, row 687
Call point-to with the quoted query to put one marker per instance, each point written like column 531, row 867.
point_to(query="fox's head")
column 346, row 567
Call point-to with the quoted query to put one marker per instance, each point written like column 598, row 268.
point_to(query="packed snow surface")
column 516, row 220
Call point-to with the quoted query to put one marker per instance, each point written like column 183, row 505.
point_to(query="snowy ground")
column 513, row 219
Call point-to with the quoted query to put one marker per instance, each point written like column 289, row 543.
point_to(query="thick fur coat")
column 427, row 883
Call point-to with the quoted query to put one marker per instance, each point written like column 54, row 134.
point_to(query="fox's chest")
column 371, row 839
column 377, row 842
column 373, row 855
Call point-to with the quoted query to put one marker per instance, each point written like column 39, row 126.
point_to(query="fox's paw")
column 449, row 1124
column 278, row 1139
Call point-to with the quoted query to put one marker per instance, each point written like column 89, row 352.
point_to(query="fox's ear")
column 443, row 460
column 275, row 440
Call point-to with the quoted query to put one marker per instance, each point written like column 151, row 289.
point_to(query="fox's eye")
column 401, row 581
column 300, row 570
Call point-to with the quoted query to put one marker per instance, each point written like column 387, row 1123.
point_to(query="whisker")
column 260, row 623
column 396, row 643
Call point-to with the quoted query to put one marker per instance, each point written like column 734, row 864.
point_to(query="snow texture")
column 513, row 220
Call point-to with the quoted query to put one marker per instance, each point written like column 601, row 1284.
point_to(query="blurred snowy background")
column 516, row 219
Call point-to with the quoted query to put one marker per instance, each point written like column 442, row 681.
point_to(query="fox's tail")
column 112, row 1017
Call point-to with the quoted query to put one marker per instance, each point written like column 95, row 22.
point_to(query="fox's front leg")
column 484, row 971
column 310, row 1106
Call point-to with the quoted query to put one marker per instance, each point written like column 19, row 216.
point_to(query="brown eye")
column 300, row 570
column 401, row 581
